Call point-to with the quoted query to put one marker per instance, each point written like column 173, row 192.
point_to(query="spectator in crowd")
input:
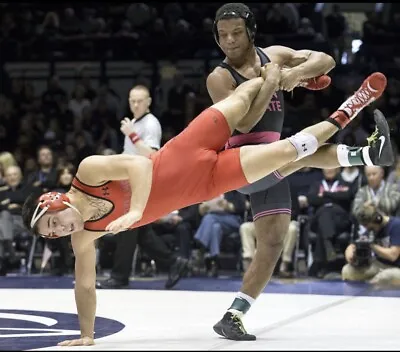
column 46, row 175
column 6, row 160
column 331, row 199
column 32, row 115
column 385, row 196
column 375, row 260
column 221, row 216
column 299, row 187
column 181, row 226
column 12, row 198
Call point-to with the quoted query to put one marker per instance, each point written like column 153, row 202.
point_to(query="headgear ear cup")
column 54, row 201
column 50, row 201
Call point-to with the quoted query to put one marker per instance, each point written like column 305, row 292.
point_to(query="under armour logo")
column 304, row 147
column 105, row 191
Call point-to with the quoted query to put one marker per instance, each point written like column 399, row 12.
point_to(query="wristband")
column 134, row 137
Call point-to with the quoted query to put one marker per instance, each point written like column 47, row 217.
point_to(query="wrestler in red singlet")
column 186, row 171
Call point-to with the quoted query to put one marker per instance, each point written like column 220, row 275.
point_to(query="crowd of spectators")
column 43, row 137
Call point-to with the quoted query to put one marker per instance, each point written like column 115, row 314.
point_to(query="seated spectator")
column 181, row 225
column 375, row 259
column 46, row 175
column 6, row 160
column 247, row 232
column 223, row 215
column 331, row 199
column 12, row 198
column 354, row 176
column 299, row 186
column 385, row 196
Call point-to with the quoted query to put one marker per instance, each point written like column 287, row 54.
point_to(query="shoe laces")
column 373, row 137
column 237, row 323
column 360, row 97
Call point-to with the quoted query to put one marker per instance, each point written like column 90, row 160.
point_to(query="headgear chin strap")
column 51, row 201
column 249, row 20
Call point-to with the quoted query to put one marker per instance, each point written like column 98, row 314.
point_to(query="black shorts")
column 269, row 196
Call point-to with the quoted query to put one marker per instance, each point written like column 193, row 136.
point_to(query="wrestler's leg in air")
column 236, row 106
column 258, row 161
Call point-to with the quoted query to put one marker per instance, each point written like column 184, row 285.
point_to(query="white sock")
column 343, row 155
column 306, row 144
column 353, row 156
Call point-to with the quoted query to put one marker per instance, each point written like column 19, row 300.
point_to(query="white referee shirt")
column 148, row 128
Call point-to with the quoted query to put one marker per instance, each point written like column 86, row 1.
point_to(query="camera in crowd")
column 366, row 232
column 363, row 251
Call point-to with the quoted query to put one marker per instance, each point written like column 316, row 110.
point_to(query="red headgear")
column 51, row 201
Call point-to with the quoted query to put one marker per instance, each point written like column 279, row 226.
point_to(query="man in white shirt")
column 143, row 132
column 142, row 137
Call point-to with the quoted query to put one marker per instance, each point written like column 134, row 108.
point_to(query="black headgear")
column 249, row 21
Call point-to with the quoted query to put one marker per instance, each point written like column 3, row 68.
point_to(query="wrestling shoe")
column 178, row 269
column 316, row 83
column 380, row 151
column 231, row 327
column 371, row 89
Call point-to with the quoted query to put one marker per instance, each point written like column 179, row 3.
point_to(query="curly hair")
column 28, row 209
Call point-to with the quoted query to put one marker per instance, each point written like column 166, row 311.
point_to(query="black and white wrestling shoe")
column 380, row 151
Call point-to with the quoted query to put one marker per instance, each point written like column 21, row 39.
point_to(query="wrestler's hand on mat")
column 83, row 341
column 126, row 126
column 124, row 222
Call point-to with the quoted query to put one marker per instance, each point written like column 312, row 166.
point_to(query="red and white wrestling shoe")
column 316, row 83
column 371, row 89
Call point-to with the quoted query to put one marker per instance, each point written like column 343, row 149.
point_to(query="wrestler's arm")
column 220, row 85
column 150, row 144
column 83, row 245
column 306, row 63
column 138, row 170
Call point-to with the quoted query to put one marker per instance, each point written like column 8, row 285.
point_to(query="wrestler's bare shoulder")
column 277, row 53
column 220, row 73
column 285, row 56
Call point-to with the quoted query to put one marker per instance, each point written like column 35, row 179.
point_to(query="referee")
column 142, row 137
